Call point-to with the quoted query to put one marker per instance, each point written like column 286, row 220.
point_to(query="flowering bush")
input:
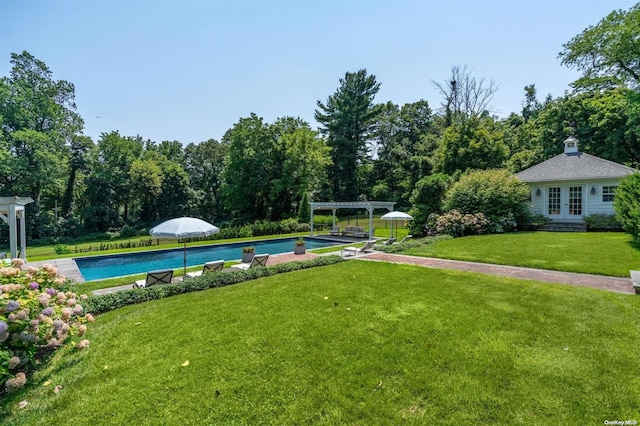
column 456, row 224
column 496, row 193
column 500, row 224
column 35, row 314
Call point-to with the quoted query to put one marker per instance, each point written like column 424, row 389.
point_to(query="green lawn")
column 354, row 343
column 602, row 253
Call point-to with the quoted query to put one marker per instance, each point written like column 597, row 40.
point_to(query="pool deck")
column 66, row 267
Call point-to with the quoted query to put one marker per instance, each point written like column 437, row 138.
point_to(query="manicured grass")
column 602, row 253
column 354, row 343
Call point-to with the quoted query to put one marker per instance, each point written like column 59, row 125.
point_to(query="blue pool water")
column 101, row 267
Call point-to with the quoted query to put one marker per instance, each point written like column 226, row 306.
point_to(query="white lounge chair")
column 155, row 277
column 355, row 250
column 215, row 266
column 389, row 241
column 258, row 260
column 407, row 238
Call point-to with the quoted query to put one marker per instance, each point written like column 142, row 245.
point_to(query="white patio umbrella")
column 393, row 216
column 183, row 228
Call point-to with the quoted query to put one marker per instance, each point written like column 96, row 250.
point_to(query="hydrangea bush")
column 456, row 224
column 36, row 315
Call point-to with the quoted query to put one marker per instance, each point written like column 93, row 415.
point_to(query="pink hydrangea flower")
column 14, row 362
column 44, row 299
column 16, row 382
column 17, row 262
column 66, row 313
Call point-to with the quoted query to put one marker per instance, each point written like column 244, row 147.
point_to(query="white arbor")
column 370, row 206
column 12, row 209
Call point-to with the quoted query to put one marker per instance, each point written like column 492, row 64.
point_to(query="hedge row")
column 107, row 302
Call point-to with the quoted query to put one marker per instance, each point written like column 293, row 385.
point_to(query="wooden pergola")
column 370, row 206
column 12, row 209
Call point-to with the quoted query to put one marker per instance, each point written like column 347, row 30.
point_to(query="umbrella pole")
column 185, row 260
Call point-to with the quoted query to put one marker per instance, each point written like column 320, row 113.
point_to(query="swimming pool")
column 110, row 266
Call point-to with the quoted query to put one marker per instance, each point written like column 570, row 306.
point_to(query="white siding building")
column 573, row 185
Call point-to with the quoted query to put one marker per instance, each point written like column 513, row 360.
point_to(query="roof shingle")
column 574, row 166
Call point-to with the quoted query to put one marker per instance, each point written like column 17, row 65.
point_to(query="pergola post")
column 12, row 209
column 370, row 223
column 13, row 232
column 311, row 220
column 23, row 233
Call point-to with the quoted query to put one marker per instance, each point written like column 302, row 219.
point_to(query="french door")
column 565, row 202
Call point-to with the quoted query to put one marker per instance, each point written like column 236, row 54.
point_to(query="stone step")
column 635, row 278
column 564, row 227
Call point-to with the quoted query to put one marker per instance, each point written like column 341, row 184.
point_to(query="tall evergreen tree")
column 348, row 118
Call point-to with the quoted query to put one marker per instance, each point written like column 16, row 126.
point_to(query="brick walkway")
column 620, row 285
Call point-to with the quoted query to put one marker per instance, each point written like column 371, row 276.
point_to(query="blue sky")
column 187, row 70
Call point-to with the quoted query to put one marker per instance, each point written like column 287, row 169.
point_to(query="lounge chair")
column 389, row 241
column 355, row 250
column 335, row 230
column 155, row 277
column 258, row 260
column 407, row 238
column 215, row 266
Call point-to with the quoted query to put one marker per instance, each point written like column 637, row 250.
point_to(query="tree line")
column 363, row 149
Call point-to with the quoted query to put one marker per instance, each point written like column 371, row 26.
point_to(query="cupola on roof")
column 571, row 145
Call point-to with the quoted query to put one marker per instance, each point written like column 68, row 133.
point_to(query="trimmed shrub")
column 288, row 225
column 61, row 249
column 107, row 302
column 534, row 221
column 322, row 221
column 245, row 231
column 36, row 317
column 304, row 210
column 427, row 199
column 303, row 227
column 626, row 203
column 127, row 232
column 495, row 193
column 601, row 221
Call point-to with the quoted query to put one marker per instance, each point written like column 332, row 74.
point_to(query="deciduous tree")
column 608, row 53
